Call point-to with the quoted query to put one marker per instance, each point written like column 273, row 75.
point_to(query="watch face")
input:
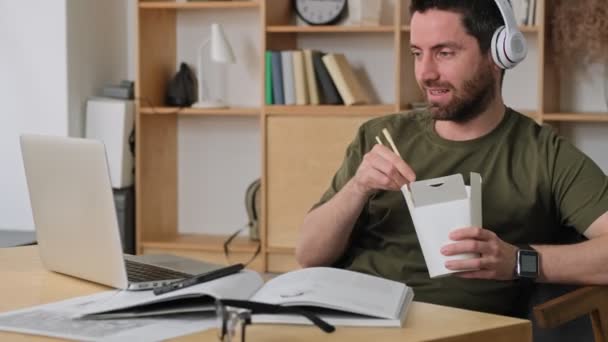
column 320, row 12
column 527, row 264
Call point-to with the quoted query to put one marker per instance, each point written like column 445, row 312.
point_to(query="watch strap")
column 525, row 247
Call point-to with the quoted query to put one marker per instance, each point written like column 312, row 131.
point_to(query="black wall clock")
column 320, row 12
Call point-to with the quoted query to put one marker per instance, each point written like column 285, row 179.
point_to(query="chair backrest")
column 545, row 327
column 588, row 300
column 578, row 329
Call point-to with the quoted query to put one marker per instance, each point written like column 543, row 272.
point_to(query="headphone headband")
column 507, row 14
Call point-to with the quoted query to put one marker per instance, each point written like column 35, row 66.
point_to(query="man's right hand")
column 382, row 169
column 327, row 229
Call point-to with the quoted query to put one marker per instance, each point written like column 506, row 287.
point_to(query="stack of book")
column 310, row 77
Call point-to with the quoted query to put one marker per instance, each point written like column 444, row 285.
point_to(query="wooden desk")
column 26, row 283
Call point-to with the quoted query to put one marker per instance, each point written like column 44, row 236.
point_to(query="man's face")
column 456, row 79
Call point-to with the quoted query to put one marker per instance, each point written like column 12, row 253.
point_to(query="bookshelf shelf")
column 329, row 29
column 576, row 117
column 197, row 5
column 523, row 29
column 232, row 111
column 201, row 242
column 323, row 110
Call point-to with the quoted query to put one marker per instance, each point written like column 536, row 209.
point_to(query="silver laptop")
column 75, row 218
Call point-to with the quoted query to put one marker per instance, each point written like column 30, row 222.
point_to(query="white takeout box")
column 439, row 206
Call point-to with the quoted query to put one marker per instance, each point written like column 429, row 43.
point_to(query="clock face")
column 320, row 12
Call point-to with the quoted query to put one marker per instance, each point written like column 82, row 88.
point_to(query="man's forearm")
column 581, row 263
column 326, row 230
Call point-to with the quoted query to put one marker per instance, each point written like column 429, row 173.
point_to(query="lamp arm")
column 202, row 93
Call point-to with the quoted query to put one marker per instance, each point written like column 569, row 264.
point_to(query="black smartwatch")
column 526, row 263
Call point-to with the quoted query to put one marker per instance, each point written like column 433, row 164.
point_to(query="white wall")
column 33, row 92
column 218, row 157
column 582, row 90
column 96, row 52
column 54, row 55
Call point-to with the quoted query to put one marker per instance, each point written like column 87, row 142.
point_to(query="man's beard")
column 475, row 97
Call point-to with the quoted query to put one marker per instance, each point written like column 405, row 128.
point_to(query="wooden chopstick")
column 388, row 137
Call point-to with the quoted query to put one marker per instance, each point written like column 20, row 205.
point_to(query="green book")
column 268, row 78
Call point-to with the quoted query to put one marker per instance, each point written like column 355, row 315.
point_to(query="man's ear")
column 492, row 63
column 498, row 71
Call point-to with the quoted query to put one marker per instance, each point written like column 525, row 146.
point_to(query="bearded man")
column 536, row 185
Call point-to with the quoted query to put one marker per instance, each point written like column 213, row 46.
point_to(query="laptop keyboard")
column 138, row 272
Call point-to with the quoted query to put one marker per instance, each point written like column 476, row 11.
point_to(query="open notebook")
column 340, row 297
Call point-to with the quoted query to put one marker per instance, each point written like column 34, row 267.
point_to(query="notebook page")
column 336, row 289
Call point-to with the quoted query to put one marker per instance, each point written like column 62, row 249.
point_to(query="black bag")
column 182, row 88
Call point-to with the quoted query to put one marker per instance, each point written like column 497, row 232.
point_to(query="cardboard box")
column 437, row 207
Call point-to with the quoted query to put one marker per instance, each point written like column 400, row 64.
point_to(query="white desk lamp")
column 220, row 52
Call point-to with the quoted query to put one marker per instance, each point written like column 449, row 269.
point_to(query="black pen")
column 199, row 278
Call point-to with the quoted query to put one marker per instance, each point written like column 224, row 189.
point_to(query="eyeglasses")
column 234, row 316
column 230, row 320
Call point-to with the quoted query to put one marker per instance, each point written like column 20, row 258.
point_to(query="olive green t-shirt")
column 535, row 186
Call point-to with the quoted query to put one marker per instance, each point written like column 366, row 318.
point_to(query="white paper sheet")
column 57, row 319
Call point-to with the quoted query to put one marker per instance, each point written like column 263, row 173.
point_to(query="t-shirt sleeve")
column 580, row 187
column 350, row 164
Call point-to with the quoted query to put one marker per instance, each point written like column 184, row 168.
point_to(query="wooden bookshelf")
column 157, row 138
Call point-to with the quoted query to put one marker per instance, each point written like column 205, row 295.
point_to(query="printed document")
column 59, row 320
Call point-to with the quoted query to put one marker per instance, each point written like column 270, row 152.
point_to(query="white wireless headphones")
column 508, row 44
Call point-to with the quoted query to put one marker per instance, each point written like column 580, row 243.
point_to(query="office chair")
column 569, row 312
column 565, row 316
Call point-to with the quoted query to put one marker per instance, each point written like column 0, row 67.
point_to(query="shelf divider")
column 197, row 5
column 576, row 117
column 367, row 110
column 231, row 111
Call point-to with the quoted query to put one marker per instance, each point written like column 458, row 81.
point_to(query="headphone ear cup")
column 516, row 48
column 493, row 48
column 498, row 46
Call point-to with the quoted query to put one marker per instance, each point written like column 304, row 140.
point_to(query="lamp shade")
column 221, row 51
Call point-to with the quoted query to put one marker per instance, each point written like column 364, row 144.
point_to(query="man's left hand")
column 497, row 258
